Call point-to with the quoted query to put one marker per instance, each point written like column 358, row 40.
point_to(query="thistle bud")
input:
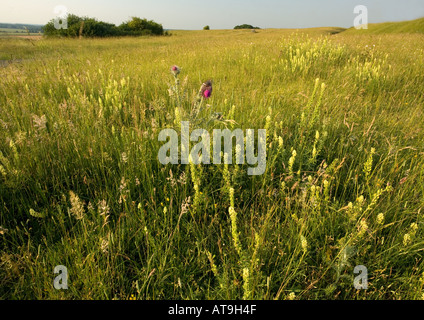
column 175, row 70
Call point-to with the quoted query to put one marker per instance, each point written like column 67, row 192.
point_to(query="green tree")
column 73, row 22
column 246, row 26
column 90, row 27
column 138, row 26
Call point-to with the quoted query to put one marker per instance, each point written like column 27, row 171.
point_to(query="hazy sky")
column 219, row 14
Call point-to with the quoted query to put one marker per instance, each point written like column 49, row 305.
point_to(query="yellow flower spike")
column 407, row 239
column 304, row 243
column 291, row 296
column 380, row 218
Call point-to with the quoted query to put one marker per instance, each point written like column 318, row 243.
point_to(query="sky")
column 218, row 14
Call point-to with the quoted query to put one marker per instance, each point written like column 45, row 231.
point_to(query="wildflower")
column 175, row 70
column 104, row 245
column 246, row 285
column 291, row 296
column 406, row 239
column 304, row 244
column 77, row 207
column 267, row 122
column 363, row 227
column 368, row 164
column 103, row 208
column 206, row 89
column 234, row 232
column 291, row 162
column 380, row 218
column 213, row 266
column 232, row 197
column 186, row 205
column 414, row 227
column 39, row 122
column 171, row 179
column 314, row 152
column 123, row 186
column 177, row 120
column 207, row 93
column 280, row 142
column 326, row 189
column 182, row 179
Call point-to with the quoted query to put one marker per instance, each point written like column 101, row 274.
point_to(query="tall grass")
column 81, row 184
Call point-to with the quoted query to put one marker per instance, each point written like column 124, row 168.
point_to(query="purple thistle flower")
column 175, row 70
column 206, row 89
column 207, row 94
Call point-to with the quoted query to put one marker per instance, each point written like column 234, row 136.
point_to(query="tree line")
column 32, row 28
column 245, row 26
column 91, row 27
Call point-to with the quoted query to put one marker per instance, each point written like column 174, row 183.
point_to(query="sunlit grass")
column 81, row 184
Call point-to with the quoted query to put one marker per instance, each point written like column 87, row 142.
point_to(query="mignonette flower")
column 414, row 227
column 304, row 244
column 291, row 296
column 175, row 70
column 380, row 218
column 406, row 239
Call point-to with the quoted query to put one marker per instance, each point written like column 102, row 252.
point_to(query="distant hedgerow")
column 91, row 27
column 246, row 26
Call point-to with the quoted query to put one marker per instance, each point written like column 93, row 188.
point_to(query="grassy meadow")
column 81, row 184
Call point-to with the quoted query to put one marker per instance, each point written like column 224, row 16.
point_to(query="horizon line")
column 171, row 29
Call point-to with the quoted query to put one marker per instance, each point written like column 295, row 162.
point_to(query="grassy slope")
column 79, row 121
column 413, row 26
